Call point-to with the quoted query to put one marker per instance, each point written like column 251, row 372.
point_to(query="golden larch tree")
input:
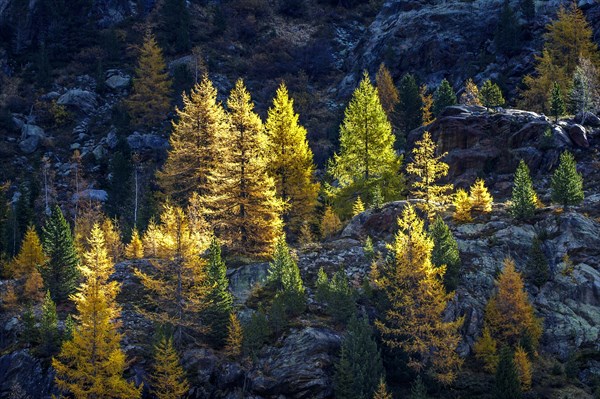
column 196, row 145
column 428, row 169
column 471, row 94
column 235, row 335
column 290, row 160
column 135, row 248
column 149, row 101
column 91, row 364
column 509, row 315
column 568, row 38
column 151, row 239
column 427, row 105
column 382, row 391
column 414, row 321
column 176, row 287
column 480, row 197
column 388, row 93
column 486, row 350
column 523, row 365
column 112, row 238
column 462, row 207
column 244, row 208
column 30, row 256
column 168, row 377
column 330, row 223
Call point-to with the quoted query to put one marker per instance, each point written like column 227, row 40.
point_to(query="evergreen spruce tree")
column 445, row 252
column 176, row 24
column 388, row 94
column 418, row 390
column 284, row 277
column 256, row 333
column 377, row 199
column 360, row 368
column 557, row 104
column 60, row 272
column 290, row 161
column 196, row 145
column 120, row 188
column 149, row 101
column 443, row 97
column 168, row 377
column 414, row 319
column 341, row 303
column 219, row 297
column 244, row 208
column 48, row 330
column 410, row 105
column 537, row 265
column 508, row 30
column 177, row 288
column 524, row 199
column 567, row 183
column 507, row 379
column 491, row 95
column 91, row 364
column 584, row 96
column 428, row 169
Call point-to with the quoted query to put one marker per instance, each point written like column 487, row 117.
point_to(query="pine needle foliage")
column 428, row 169
column 360, row 367
column 443, row 97
column 507, row 384
column 60, row 272
column 414, row 320
column 567, row 183
column 135, row 248
column 490, row 95
column 235, row 336
column 177, row 288
column 524, row 198
column 196, row 145
column 290, row 160
column 149, row 101
column 217, row 314
column 445, row 252
column 462, row 207
column 168, row 377
column 91, row 364
column 31, row 255
column 509, row 314
column 366, row 139
column 471, row 94
column 480, row 198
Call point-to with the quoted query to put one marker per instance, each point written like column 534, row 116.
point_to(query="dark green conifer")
column 409, row 107
column 360, row 367
column 490, row 95
column 176, row 25
column 256, row 333
column 48, row 330
column 284, row 277
column 418, row 390
column 537, row 265
column 60, row 272
column 567, row 183
column 507, row 378
column 340, row 298
column 445, row 252
column 524, row 199
column 443, row 97
column 508, row 30
column 221, row 300
column 557, row 104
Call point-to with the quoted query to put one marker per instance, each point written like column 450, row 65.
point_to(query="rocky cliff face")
column 450, row 39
